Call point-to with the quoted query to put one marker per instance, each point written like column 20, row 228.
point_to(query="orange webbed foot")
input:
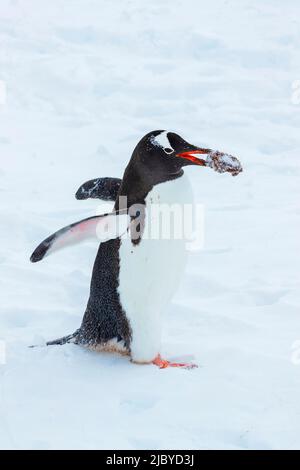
column 163, row 363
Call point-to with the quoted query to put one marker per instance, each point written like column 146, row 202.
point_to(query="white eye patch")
column 161, row 140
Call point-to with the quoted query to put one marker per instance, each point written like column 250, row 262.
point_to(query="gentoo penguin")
column 134, row 276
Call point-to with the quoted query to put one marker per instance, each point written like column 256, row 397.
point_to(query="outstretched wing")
column 100, row 188
column 102, row 227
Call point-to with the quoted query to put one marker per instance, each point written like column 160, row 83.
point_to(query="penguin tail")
column 64, row 340
column 60, row 341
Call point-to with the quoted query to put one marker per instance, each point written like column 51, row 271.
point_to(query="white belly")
column 150, row 273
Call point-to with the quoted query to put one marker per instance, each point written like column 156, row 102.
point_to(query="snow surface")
column 85, row 80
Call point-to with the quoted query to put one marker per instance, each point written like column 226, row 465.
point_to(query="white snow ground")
column 85, row 80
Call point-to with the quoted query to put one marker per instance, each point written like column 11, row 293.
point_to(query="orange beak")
column 191, row 155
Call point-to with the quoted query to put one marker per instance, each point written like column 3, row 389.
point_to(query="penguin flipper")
column 100, row 188
column 101, row 227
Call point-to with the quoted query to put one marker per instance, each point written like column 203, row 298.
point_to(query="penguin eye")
column 168, row 150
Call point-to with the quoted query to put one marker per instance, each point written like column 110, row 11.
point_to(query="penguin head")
column 163, row 154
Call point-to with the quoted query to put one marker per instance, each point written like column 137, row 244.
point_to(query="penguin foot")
column 163, row 363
